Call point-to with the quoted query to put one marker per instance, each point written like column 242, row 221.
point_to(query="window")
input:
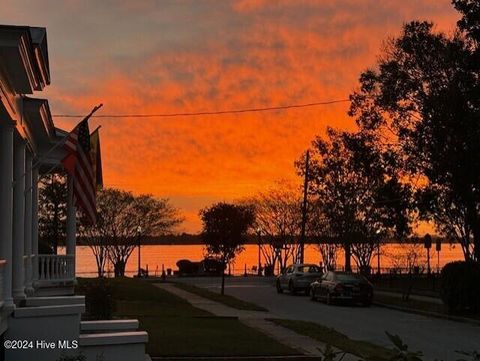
column 308, row 269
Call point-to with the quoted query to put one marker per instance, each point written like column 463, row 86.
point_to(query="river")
column 166, row 256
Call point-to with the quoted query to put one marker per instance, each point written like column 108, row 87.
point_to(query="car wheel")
column 279, row 287
column 291, row 288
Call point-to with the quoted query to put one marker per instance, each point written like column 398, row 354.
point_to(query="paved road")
column 437, row 338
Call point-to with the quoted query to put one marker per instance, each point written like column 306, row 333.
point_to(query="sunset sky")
column 195, row 55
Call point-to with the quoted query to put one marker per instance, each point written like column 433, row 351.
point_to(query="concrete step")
column 118, row 346
column 102, row 326
column 60, row 290
column 54, row 300
column 113, row 338
column 44, row 311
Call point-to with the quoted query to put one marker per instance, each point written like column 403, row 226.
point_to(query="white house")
column 37, row 301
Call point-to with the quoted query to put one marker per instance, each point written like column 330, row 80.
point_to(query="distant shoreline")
column 196, row 239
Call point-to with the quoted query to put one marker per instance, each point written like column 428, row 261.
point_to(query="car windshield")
column 309, row 269
column 347, row 277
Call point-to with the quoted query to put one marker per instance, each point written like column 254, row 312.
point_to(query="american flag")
column 78, row 165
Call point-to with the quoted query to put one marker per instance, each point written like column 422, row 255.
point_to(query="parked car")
column 298, row 277
column 342, row 286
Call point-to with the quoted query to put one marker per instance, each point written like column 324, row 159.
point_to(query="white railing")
column 2, row 276
column 53, row 267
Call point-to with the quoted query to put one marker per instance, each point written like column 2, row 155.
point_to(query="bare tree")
column 91, row 237
column 277, row 221
column 123, row 220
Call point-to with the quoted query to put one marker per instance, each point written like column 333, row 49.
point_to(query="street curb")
column 429, row 314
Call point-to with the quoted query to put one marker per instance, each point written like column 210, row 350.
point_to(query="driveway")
column 436, row 338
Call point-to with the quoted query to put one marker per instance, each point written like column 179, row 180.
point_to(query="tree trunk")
column 119, row 268
column 222, row 291
column 348, row 256
column 99, row 271
column 100, row 266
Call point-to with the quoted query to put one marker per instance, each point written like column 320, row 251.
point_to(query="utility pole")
column 304, row 208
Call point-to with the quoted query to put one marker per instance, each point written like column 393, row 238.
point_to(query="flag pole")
column 60, row 142
column 97, row 128
column 65, row 137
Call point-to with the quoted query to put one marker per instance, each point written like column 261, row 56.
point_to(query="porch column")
column 35, row 223
column 18, row 218
column 71, row 223
column 6, row 209
column 28, row 225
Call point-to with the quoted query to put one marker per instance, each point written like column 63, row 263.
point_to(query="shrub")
column 98, row 299
column 186, row 267
column 460, row 286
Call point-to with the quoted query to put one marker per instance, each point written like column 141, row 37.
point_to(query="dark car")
column 298, row 277
column 342, row 286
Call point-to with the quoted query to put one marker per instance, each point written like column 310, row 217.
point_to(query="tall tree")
column 52, row 211
column 360, row 195
column 424, row 96
column 225, row 228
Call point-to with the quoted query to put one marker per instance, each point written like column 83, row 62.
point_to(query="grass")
column 423, row 285
column 420, row 305
column 176, row 328
column 217, row 297
column 334, row 338
column 411, row 303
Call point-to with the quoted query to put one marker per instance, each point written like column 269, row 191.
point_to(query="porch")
column 37, row 300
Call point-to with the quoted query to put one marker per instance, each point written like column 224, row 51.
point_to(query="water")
column 156, row 256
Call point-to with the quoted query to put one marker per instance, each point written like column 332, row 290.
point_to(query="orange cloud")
column 169, row 57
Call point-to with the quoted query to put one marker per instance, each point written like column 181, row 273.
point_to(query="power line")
column 219, row 112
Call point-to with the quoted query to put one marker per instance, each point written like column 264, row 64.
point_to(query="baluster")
column 49, row 268
column 71, row 267
column 57, row 267
column 67, row 267
column 40, row 267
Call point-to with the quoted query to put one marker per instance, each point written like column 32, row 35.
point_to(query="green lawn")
column 217, row 297
column 175, row 328
column 334, row 338
column 411, row 303
column 420, row 305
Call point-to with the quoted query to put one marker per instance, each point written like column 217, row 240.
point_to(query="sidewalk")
column 256, row 320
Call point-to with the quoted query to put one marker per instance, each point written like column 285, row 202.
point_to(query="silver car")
column 298, row 277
